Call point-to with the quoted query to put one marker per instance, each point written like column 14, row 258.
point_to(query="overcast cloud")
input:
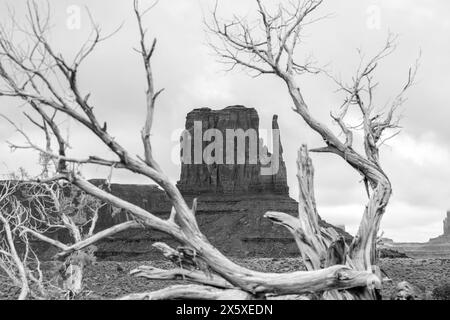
column 417, row 160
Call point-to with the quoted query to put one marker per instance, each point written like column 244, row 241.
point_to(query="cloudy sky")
column 417, row 160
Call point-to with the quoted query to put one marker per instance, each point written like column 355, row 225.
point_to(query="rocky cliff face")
column 228, row 169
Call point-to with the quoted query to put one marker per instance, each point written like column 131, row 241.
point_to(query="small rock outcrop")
column 408, row 291
column 447, row 225
column 445, row 237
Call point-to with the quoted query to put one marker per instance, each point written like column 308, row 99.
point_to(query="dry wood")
column 181, row 274
column 191, row 292
column 330, row 266
column 96, row 237
column 21, row 266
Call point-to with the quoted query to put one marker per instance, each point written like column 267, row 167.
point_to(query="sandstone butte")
column 232, row 200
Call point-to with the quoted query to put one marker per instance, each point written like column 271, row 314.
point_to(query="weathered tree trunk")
column 72, row 273
column 319, row 247
column 191, row 292
column 73, row 279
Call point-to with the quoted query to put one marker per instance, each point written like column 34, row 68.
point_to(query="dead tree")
column 18, row 261
column 31, row 212
column 30, row 75
column 268, row 46
column 60, row 209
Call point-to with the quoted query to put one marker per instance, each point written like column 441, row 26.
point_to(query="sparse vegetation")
column 442, row 292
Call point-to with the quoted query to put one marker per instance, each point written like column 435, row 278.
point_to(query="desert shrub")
column 442, row 292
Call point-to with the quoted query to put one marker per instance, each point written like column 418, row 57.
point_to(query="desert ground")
column 111, row 279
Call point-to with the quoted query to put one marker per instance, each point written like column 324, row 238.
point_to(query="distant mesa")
column 438, row 247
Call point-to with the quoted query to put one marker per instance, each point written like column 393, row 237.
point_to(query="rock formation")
column 199, row 176
column 445, row 237
column 447, row 225
column 231, row 198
